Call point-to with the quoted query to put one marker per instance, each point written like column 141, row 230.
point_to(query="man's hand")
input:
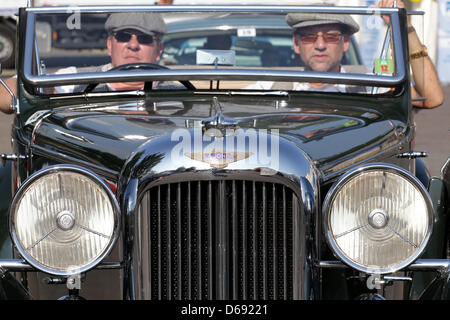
column 389, row 4
column 5, row 97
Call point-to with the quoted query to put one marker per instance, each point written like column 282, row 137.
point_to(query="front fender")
column 11, row 288
column 439, row 288
column 436, row 246
column 445, row 174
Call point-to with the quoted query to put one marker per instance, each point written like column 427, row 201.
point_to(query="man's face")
column 321, row 47
column 132, row 51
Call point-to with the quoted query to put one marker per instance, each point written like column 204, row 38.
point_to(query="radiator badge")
column 219, row 158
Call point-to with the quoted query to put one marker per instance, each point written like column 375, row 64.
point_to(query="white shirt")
column 303, row 86
column 300, row 86
column 71, row 87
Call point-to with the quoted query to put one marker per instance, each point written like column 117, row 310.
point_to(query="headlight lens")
column 378, row 218
column 64, row 220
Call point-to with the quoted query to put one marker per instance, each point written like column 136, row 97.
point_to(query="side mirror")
column 14, row 105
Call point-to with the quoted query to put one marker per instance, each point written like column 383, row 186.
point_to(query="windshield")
column 82, row 51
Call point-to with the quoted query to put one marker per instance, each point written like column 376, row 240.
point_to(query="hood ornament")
column 218, row 127
column 219, row 158
column 219, row 121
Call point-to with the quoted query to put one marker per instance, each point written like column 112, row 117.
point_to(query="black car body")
column 221, row 191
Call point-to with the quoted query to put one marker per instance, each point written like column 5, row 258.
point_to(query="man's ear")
column 160, row 51
column 108, row 45
column 296, row 44
column 346, row 42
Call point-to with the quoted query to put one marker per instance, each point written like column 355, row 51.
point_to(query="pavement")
column 432, row 134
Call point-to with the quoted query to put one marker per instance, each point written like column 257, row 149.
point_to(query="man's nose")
column 133, row 43
column 320, row 42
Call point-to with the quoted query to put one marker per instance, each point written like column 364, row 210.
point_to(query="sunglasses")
column 329, row 37
column 125, row 36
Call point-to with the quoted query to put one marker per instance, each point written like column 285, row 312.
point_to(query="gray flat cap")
column 146, row 22
column 301, row 20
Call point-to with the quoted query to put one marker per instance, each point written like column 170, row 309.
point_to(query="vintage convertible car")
column 216, row 181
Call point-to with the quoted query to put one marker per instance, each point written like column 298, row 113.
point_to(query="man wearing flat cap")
column 321, row 41
column 133, row 37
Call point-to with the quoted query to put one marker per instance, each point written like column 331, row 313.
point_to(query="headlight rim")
column 53, row 169
column 338, row 185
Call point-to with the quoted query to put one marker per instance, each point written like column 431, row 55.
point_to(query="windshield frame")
column 240, row 73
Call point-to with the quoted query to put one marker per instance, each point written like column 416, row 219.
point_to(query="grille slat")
column 235, row 243
column 274, row 243
column 211, row 276
column 226, row 239
column 244, row 249
column 179, row 249
column 253, row 249
column 188, row 248
column 160, row 234
column 285, row 243
column 264, row 242
column 168, row 251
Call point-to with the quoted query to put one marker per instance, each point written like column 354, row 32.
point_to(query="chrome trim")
column 221, row 74
column 213, row 74
column 336, row 187
column 17, row 265
column 418, row 265
column 445, row 168
column 217, row 8
column 415, row 13
column 413, row 154
column 173, row 32
column 58, row 168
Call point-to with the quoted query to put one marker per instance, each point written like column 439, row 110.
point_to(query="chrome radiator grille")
column 222, row 239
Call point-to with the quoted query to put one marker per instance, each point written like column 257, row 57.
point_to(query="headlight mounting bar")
column 418, row 265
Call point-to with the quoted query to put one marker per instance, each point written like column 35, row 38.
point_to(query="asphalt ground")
column 432, row 134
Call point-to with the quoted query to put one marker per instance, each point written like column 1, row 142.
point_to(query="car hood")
column 107, row 135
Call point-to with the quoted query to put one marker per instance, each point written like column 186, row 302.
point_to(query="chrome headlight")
column 64, row 220
column 378, row 218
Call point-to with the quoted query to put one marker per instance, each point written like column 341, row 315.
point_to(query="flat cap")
column 301, row 20
column 146, row 22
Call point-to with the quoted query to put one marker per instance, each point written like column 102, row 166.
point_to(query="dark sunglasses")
column 125, row 36
column 330, row 37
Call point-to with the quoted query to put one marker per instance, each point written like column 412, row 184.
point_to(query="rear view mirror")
column 216, row 57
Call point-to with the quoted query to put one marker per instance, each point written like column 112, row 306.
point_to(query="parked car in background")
column 7, row 33
column 216, row 180
column 258, row 40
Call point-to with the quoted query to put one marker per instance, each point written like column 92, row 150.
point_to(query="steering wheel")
column 134, row 66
